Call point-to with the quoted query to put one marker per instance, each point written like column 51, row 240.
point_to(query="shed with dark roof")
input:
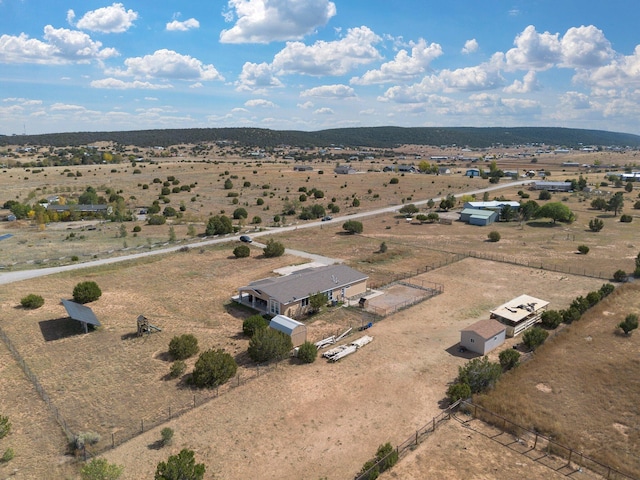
column 483, row 336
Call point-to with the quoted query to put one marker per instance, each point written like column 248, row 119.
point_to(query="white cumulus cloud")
column 259, row 102
column 323, row 111
column 329, row 58
column 404, row 66
column 265, row 21
column 528, row 84
column 177, row 26
column 329, row 91
column 470, row 46
column 112, row 19
column 256, row 76
column 168, row 64
column 117, row 84
column 61, row 45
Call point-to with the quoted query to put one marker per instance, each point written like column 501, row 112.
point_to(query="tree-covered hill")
column 379, row 137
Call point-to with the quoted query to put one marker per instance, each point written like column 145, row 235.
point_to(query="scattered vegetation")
column 494, row 236
column 177, row 369
column 183, row 346
column 595, row 224
column 253, row 323
column 182, row 466
column 478, row 375
column 352, row 226
column 629, row 324
column 241, row 251
column 308, row 352
column 534, row 337
column 101, row 469
column 583, row 249
column 32, row 301
column 386, row 457
column 273, row 249
column 166, row 436
column 85, row 292
column 213, row 368
column 509, row 359
column 268, row 344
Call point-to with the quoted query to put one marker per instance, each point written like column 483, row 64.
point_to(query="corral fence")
column 122, row 434
column 540, row 264
column 391, row 277
column 527, row 441
column 37, row 385
column 409, row 444
column 431, row 290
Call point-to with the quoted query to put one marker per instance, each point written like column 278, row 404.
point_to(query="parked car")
column 327, row 218
column 245, row 239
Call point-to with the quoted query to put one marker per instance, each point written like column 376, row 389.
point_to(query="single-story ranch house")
column 520, row 313
column 483, row 336
column 289, row 295
column 553, row 186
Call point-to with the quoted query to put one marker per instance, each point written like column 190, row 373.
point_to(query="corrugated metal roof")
column 485, row 328
column 303, row 283
column 284, row 324
column 492, row 204
column 80, row 312
column 477, row 212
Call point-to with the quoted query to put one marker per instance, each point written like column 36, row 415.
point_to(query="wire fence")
column 554, row 454
column 409, row 444
column 122, row 434
column 37, row 385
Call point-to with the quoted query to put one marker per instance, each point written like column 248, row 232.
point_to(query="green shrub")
column 606, row 290
column 630, row 323
column 394, row 181
column 551, row 318
column 509, row 358
column 544, row 195
column 371, row 470
column 7, row 456
column 183, row 347
column 534, row 337
column 253, row 323
column 5, row 426
column 308, row 352
column 32, row 301
column 388, row 455
column 241, row 251
column 268, row 344
column 213, row 368
column 494, row 236
column 595, row 224
column 85, row 438
column 479, row 374
column 583, row 249
column 166, row 435
column 620, row 276
column 457, row 391
column 352, row 226
column 273, row 249
column 593, row 298
column 177, row 368
column 570, row 315
column 157, row 220
column 626, row 218
column 100, row 469
column 137, row 229
column 85, row 292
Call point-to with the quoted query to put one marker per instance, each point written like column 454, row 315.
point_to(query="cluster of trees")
column 614, row 204
column 181, row 466
column 267, row 344
column 553, row 318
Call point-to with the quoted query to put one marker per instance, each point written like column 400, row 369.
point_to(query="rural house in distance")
column 289, row 295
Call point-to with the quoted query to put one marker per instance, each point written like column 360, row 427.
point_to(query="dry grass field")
column 296, row 421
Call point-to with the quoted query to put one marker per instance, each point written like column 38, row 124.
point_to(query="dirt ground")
column 327, row 419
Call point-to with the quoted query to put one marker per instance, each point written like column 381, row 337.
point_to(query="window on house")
column 471, row 340
column 304, row 302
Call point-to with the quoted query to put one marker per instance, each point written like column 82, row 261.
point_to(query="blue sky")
column 314, row 64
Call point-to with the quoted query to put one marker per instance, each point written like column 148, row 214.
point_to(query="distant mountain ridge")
column 377, row 137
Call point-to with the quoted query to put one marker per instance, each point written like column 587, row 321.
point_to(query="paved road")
column 11, row 277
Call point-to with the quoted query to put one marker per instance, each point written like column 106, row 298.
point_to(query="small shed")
column 483, row 336
column 296, row 330
column 476, row 216
column 81, row 313
column 472, row 172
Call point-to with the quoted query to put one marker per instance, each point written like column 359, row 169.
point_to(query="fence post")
column 434, row 423
column 113, row 440
column 142, row 425
column 416, row 437
column 194, row 400
column 535, row 442
column 169, row 411
column 238, row 379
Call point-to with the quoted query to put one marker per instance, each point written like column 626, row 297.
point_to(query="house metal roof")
column 303, row 283
column 519, row 308
column 80, row 312
column 486, row 329
column 478, row 213
column 492, row 204
column 284, row 324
